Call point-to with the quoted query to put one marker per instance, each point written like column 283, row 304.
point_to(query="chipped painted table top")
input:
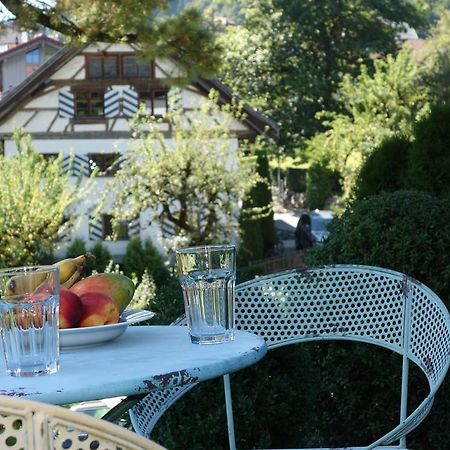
column 142, row 359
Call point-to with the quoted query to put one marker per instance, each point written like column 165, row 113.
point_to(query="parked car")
column 320, row 219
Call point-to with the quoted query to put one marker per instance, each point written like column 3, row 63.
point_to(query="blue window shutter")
column 95, row 229
column 174, row 98
column 66, row 104
column 134, row 228
column 130, row 102
column 111, row 103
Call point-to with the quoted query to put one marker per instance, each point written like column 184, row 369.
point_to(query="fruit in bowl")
column 116, row 285
column 70, row 309
column 98, row 309
column 92, row 301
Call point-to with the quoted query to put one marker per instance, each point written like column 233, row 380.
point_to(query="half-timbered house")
column 81, row 101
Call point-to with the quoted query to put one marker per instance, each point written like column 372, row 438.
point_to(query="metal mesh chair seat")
column 345, row 302
column 30, row 425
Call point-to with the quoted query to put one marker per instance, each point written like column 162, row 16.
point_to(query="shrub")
column 257, row 227
column 405, row 231
column 321, row 184
column 296, row 179
column 76, row 248
column 167, row 302
column 102, row 257
column 385, row 169
column 430, row 156
column 139, row 258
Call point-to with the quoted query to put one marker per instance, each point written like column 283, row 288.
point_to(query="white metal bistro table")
column 144, row 358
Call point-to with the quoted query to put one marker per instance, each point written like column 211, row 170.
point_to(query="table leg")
column 116, row 413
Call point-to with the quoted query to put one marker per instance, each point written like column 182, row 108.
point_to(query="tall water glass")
column 29, row 307
column 207, row 276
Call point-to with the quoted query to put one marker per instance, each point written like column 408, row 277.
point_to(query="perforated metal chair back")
column 29, row 425
column 348, row 302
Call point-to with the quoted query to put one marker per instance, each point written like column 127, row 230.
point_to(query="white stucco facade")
column 49, row 115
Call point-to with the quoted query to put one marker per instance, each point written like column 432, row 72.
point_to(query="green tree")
column 289, row 56
column 150, row 24
column 375, row 106
column 37, row 204
column 192, row 182
column 436, row 57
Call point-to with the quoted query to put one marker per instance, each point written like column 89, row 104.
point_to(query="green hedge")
column 385, row 169
column 421, row 162
column 407, row 231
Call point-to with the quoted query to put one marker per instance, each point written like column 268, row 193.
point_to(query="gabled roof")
column 32, row 43
column 16, row 96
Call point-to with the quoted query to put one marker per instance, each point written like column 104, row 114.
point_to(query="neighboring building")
column 18, row 62
column 81, row 100
column 11, row 35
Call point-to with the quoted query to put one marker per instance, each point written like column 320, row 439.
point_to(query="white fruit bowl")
column 71, row 338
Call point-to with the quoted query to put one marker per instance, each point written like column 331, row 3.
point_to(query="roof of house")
column 16, row 96
column 32, row 43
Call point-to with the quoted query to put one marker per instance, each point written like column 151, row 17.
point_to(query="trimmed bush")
column 430, row 153
column 296, row 179
column 102, row 257
column 76, row 248
column 407, row 231
column 385, row 169
column 321, row 184
column 404, row 230
column 258, row 235
column 140, row 257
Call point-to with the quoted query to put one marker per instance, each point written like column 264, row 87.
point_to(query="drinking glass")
column 207, row 276
column 29, row 307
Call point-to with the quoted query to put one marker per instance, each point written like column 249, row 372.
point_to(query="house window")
column 106, row 163
column 117, row 66
column 49, row 157
column 133, row 68
column 33, row 57
column 103, row 67
column 155, row 101
column 89, row 103
column 32, row 60
column 121, row 231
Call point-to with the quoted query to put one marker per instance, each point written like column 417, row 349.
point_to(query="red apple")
column 70, row 309
column 98, row 309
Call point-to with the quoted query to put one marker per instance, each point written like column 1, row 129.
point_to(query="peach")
column 98, row 309
column 70, row 309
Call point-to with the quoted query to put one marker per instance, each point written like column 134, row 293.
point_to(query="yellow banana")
column 24, row 284
column 74, row 278
column 70, row 269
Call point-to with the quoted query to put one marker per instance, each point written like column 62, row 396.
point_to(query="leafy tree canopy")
column 374, row 106
column 34, row 209
column 149, row 24
column 192, row 182
column 436, row 57
column 289, row 56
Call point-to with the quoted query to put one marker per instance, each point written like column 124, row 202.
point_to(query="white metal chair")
column 349, row 302
column 30, row 425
